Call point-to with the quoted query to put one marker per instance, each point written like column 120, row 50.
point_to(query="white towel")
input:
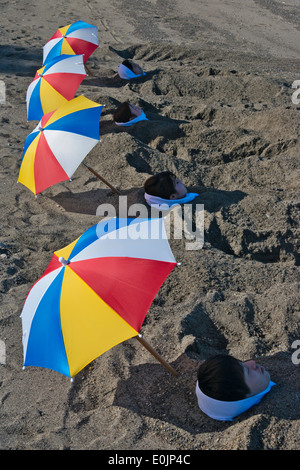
column 227, row 410
column 159, row 201
column 141, row 117
column 127, row 74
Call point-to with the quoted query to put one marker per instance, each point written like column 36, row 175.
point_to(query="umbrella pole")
column 156, row 355
column 101, row 179
column 88, row 71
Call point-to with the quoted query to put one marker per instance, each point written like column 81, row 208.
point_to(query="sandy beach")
column 224, row 117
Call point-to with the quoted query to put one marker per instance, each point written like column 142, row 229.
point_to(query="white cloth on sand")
column 159, row 201
column 227, row 410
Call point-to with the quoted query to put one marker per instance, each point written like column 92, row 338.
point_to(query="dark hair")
column 128, row 64
column 222, row 377
column 123, row 113
column 160, row 185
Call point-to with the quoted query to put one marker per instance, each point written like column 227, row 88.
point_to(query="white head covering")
column 159, row 201
column 227, row 410
column 141, row 117
column 127, row 74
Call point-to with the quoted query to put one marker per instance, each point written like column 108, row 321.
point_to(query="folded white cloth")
column 159, row 201
column 127, row 74
column 227, row 410
column 141, row 117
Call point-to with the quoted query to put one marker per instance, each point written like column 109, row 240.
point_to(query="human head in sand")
column 165, row 185
column 135, row 68
column 227, row 387
column 225, row 378
column 127, row 112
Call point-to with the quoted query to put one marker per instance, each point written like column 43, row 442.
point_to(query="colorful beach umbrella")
column 59, row 143
column 95, row 293
column 54, row 84
column 76, row 38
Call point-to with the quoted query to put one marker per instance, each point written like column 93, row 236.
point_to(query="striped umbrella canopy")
column 95, row 293
column 54, row 84
column 76, row 38
column 59, row 143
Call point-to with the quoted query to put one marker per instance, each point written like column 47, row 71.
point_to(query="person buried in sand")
column 165, row 185
column 128, row 70
column 226, row 387
column 134, row 67
column 127, row 114
column 166, row 190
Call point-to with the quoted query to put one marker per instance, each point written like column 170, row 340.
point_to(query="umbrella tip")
column 63, row 261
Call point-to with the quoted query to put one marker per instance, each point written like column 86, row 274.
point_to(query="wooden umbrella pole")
column 101, row 179
column 88, row 71
column 156, row 355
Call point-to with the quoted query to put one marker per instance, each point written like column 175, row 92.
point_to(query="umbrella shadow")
column 156, row 126
column 146, row 131
column 20, row 61
column 89, row 202
column 115, row 81
column 208, row 340
column 151, row 391
column 85, row 202
column 104, row 81
column 105, row 203
column 107, row 127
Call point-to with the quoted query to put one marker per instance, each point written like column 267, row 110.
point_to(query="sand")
column 218, row 94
